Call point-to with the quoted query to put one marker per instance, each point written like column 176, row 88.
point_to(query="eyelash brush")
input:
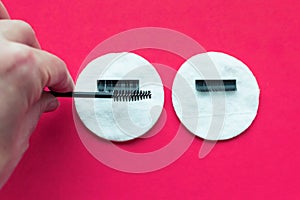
column 118, row 90
column 116, row 95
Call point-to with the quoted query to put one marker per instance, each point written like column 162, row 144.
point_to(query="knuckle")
column 24, row 62
column 24, row 27
column 26, row 70
column 22, row 55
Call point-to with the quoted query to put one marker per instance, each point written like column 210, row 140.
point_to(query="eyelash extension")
column 111, row 85
column 212, row 85
column 116, row 95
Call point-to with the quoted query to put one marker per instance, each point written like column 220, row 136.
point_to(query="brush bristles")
column 131, row 95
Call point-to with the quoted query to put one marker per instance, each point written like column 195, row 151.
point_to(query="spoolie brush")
column 116, row 95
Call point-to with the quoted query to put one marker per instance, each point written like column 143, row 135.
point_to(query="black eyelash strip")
column 212, row 85
column 111, row 85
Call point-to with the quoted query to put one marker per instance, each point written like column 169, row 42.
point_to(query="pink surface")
column 262, row 163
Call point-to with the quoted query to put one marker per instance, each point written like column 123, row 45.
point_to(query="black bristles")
column 129, row 95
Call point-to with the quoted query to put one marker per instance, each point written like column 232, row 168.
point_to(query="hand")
column 25, row 70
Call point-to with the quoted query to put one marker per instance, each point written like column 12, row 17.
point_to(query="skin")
column 25, row 70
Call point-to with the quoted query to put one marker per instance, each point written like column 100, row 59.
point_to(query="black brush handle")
column 82, row 94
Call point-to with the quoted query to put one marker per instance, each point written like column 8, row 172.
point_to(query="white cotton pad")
column 119, row 120
column 215, row 115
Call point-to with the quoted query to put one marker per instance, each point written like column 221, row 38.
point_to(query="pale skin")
column 25, row 70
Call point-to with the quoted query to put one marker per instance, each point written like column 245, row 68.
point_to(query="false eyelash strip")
column 111, row 85
column 214, row 85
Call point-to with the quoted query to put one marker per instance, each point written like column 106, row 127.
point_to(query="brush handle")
column 82, row 94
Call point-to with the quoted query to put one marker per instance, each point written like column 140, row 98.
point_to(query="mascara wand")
column 116, row 95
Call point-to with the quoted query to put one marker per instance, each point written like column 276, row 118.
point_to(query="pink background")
column 262, row 163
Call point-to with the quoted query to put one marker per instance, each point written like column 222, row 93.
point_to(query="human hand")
column 25, row 70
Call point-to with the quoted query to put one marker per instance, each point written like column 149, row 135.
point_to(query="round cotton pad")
column 119, row 120
column 215, row 115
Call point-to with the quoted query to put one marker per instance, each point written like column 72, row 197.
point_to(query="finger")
column 47, row 103
column 18, row 31
column 53, row 72
column 32, row 70
column 3, row 12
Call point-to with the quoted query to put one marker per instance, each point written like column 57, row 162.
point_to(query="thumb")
column 48, row 103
